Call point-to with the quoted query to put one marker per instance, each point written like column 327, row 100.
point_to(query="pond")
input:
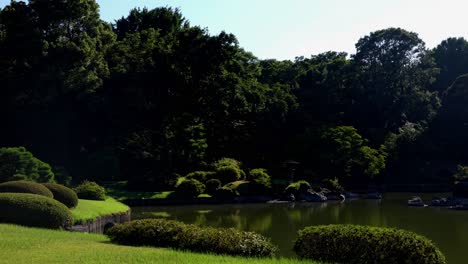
column 280, row 222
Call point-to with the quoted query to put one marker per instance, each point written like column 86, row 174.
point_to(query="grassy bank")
column 90, row 210
column 31, row 245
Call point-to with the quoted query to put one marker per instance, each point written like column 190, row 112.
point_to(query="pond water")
column 280, row 222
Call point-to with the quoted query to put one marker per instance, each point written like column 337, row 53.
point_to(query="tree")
column 451, row 57
column 20, row 164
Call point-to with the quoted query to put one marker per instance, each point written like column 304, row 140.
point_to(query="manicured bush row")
column 190, row 188
column 363, row 245
column 25, row 187
column 177, row 235
column 63, row 194
column 33, row 210
column 89, row 190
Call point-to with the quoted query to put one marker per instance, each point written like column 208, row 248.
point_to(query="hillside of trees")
column 151, row 96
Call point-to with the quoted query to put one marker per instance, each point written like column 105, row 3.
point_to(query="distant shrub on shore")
column 364, row 245
column 297, row 187
column 190, row 188
column 177, row 235
column 33, row 210
column 91, row 191
column 25, row 187
column 212, row 185
column 63, row 194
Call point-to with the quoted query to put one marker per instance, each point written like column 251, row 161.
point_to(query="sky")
column 285, row 29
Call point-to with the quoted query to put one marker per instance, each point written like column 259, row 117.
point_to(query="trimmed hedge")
column 177, row 235
column 190, row 188
column 89, row 190
column 363, row 244
column 34, row 210
column 25, row 187
column 63, row 194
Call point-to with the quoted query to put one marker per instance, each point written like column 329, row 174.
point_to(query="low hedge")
column 34, row 210
column 25, row 187
column 363, row 244
column 63, row 194
column 89, row 190
column 177, row 235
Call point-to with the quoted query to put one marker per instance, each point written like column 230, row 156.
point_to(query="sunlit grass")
column 90, row 210
column 30, row 245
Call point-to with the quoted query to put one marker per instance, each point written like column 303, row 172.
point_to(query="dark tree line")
column 151, row 95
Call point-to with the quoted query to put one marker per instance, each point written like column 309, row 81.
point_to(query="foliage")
column 34, row 210
column 173, row 234
column 225, row 193
column 297, row 187
column 201, row 176
column 260, row 176
column 226, row 162
column 25, row 187
column 190, row 188
column 20, row 164
column 91, row 191
column 228, row 174
column 451, row 57
column 332, row 184
column 63, row 194
column 212, row 185
column 331, row 243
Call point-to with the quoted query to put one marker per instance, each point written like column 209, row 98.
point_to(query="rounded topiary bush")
column 228, row 174
column 201, row 176
column 25, row 187
column 34, row 210
column 91, row 191
column 225, row 193
column 212, row 185
column 190, row 188
column 363, row 244
column 260, row 176
column 63, row 194
column 177, row 235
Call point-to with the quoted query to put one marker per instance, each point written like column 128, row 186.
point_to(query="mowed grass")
column 90, row 210
column 31, row 245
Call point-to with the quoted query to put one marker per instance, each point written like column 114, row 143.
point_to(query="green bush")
column 228, row 174
column 201, row 176
column 260, row 176
column 25, row 187
column 90, row 191
column 33, row 210
column 332, row 184
column 226, row 162
column 177, row 235
column 297, row 187
column 212, row 185
column 63, row 194
column 225, row 193
column 20, row 164
column 364, row 245
column 190, row 188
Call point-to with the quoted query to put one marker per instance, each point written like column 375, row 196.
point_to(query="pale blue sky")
column 284, row 29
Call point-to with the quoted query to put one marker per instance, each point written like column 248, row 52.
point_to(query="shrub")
column 362, row 244
column 332, row 184
column 33, row 210
column 201, row 176
column 190, row 188
column 20, row 164
column 226, row 162
column 212, row 185
column 63, row 194
column 173, row 234
column 91, row 191
column 225, row 193
column 228, row 174
column 25, row 187
column 297, row 187
column 260, row 176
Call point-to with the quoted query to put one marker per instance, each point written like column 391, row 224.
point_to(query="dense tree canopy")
column 151, row 96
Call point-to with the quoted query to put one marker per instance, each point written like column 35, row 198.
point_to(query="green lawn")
column 32, row 245
column 90, row 210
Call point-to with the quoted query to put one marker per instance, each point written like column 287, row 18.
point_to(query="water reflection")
column 281, row 222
